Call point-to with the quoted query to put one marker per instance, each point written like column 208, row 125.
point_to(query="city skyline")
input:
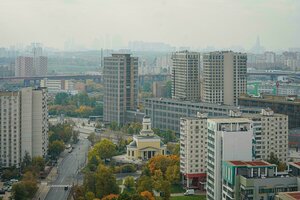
column 94, row 24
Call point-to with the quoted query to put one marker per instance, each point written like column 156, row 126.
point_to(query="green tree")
column 173, row 174
column 19, row 191
column 39, row 162
column 173, row 148
column 105, row 149
column 114, row 126
column 105, row 182
column 90, row 196
column 61, row 98
column 145, row 183
column 89, row 182
column 92, row 138
column 26, row 188
column 129, row 182
column 26, row 162
column 55, row 148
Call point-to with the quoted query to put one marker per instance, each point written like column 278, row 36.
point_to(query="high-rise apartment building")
column 228, row 139
column 24, row 66
column 270, row 134
column 185, row 75
column 224, row 77
column 33, row 65
column 23, row 125
column 120, row 76
column 193, row 150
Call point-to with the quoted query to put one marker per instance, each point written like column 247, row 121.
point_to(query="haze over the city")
column 113, row 23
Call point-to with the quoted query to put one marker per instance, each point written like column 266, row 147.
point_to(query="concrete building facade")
column 228, row 139
column 255, row 180
column 270, row 135
column 193, row 150
column 24, row 66
column 120, row 76
column 186, row 75
column 146, row 145
column 23, row 125
column 224, row 77
column 166, row 113
column 289, row 106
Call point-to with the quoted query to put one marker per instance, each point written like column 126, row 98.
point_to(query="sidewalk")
column 44, row 186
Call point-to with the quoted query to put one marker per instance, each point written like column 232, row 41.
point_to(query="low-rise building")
column 146, row 145
column 279, row 104
column 288, row 196
column 255, row 180
column 166, row 113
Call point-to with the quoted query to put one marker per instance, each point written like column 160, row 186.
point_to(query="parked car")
column 189, row 192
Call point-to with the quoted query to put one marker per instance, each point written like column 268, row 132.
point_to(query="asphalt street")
column 68, row 171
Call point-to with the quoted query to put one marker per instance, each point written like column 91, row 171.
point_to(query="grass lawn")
column 194, row 197
column 177, row 189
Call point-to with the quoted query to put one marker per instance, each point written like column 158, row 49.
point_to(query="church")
column 145, row 145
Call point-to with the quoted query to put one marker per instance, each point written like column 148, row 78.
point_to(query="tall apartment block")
column 185, row 75
column 24, row 66
column 23, row 125
column 228, row 139
column 34, row 65
column 193, row 150
column 270, row 134
column 120, row 76
column 224, row 77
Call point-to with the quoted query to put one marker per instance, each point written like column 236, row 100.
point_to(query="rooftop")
column 295, row 164
column 200, row 104
column 290, row 195
column 230, row 120
column 273, row 98
column 250, row 163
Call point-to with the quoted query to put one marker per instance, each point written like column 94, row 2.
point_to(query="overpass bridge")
column 142, row 78
column 97, row 78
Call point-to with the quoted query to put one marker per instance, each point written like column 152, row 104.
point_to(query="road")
column 68, row 171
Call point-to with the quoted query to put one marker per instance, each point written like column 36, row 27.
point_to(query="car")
column 66, row 188
column 189, row 192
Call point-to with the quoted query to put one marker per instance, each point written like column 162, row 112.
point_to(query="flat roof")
column 295, row 164
column 201, row 104
column 230, row 120
column 250, row 163
column 291, row 195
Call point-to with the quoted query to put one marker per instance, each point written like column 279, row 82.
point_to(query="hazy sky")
column 196, row 23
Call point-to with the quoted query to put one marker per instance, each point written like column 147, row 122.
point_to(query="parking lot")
column 6, row 187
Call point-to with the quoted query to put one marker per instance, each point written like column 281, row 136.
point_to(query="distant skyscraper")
column 120, row 76
column 35, row 65
column 40, row 62
column 24, row 66
column 24, row 125
column 257, row 48
column 224, row 77
column 185, row 75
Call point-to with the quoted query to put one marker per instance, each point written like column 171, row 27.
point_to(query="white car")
column 189, row 192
